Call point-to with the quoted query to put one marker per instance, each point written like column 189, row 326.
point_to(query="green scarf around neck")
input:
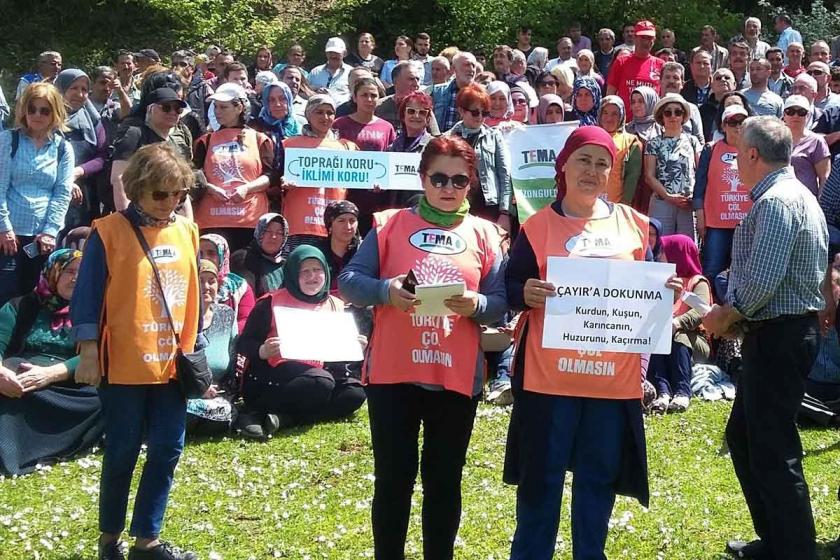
column 439, row 217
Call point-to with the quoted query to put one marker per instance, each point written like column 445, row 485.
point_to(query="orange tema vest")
column 727, row 199
column 610, row 375
column 615, row 183
column 137, row 346
column 282, row 298
column 407, row 348
column 228, row 165
column 303, row 207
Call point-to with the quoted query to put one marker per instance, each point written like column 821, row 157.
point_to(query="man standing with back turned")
column 779, row 258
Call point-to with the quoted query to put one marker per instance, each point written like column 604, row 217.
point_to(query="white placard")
column 432, row 296
column 325, row 336
column 609, row 305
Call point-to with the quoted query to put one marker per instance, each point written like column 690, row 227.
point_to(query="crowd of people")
column 145, row 212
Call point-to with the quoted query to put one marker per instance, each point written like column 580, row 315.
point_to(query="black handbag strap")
column 145, row 245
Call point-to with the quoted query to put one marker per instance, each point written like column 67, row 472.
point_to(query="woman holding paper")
column 426, row 369
column 280, row 392
column 565, row 421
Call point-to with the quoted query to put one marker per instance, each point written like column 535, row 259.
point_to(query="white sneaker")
column 660, row 404
column 679, row 404
column 500, row 394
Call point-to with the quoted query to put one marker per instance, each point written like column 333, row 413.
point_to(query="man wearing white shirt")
column 564, row 52
column 331, row 78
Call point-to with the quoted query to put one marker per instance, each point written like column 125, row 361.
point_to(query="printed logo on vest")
column 438, row 241
column 728, row 157
column 165, row 254
column 595, row 245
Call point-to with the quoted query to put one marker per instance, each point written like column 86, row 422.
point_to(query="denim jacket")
column 493, row 165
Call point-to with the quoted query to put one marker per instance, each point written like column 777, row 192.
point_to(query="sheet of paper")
column 609, row 305
column 432, row 296
column 326, row 336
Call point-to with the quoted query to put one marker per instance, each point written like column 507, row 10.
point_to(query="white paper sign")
column 609, row 305
column 325, row 336
column 432, row 296
column 348, row 169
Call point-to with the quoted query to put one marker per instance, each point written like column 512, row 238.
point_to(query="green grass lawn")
column 306, row 495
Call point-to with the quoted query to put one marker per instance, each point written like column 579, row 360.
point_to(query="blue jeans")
column 132, row 411
column 588, row 436
column 717, row 251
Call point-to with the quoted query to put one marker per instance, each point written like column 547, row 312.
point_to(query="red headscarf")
column 580, row 137
column 682, row 251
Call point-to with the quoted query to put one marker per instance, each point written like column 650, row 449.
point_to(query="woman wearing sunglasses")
column 720, row 199
column 35, row 187
column 563, row 421
column 492, row 198
column 669, row 167
column 238, row 163
column 127, row 347
column 419, row 369
column 415, row 112
column 811, row 158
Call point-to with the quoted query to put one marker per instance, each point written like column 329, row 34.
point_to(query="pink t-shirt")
column 374, row 136
column 629, row 72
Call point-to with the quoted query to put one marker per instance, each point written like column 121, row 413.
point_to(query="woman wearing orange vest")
column 127, row 346
column 282, row 392
column 238, row 164
column 426, row 370
column 720, row 198
column 671, row 373
column 564, row 421
column 304, row 207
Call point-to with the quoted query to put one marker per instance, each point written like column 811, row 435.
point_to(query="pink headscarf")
column 682, row 251
column 580, row 137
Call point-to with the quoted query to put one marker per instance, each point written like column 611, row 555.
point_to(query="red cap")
column 645, row 28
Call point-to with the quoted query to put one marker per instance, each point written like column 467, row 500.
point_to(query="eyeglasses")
column 180, row 195
column 476, row 113
column 411, row 111
column 440, row 180
column 798, row 111
column 43, row 111
column 673, row 113
column 735, row 121
column 520, row 102
column 169, row 107
column 815, row 72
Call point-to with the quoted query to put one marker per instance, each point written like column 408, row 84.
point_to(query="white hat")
column 336, row 44
column 733, row 110
column 798, row 101
column 668, row 99
column 229, row 92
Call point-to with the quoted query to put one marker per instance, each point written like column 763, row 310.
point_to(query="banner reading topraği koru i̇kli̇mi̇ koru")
column 352, row 170
column 533, row 151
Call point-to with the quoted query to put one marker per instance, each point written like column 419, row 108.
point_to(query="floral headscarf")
column 288, row 126
column 47, row 287
column 230, row 284
column 591, row 85
column 259, row 232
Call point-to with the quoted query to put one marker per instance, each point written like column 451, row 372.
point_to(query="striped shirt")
column 780, row 251
column 35, row 186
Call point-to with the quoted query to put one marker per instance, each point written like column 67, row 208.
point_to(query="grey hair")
column 404, row 65
column 752, row 19
column 770, row 136
column 607, row 31
column 47, row 55
column 674, row 67
column 464, row 55
column 518, row 55
column 440, row 60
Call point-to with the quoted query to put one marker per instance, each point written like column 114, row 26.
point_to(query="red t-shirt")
column 629, row 72
column 374, row 136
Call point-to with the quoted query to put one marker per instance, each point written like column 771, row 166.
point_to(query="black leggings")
column 306, row 393
column 396, row 412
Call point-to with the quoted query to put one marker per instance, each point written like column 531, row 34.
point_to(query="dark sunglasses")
column 673, row 112
column 798, row 111
column 180, row 195
column 169, row 107
column 520, row 102
column 440, row 180
column 43, row 111
column 478, row 113
column 815, row 72
column 734, row 122
column 411, row 111
column 722, row 78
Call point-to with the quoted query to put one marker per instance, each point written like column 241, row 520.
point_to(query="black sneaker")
column 249, row 425
column 275, row 422
column 754, row 549
column 114, row 550
column 163, row 551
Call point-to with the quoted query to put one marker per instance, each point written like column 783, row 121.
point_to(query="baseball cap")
column 732, row 111
column 645, row 28
column 229, row 92
column 148, row 53
column 336, row 44
column 798, row 101
column 164, row 95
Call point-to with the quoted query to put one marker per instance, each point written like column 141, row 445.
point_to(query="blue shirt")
column 34, row 186
column 4, row 110
column 786, row 37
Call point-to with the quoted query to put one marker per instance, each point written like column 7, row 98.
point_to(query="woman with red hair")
column 492, row 200
column 422, row 369
column 566, row 420
column 415, row 113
